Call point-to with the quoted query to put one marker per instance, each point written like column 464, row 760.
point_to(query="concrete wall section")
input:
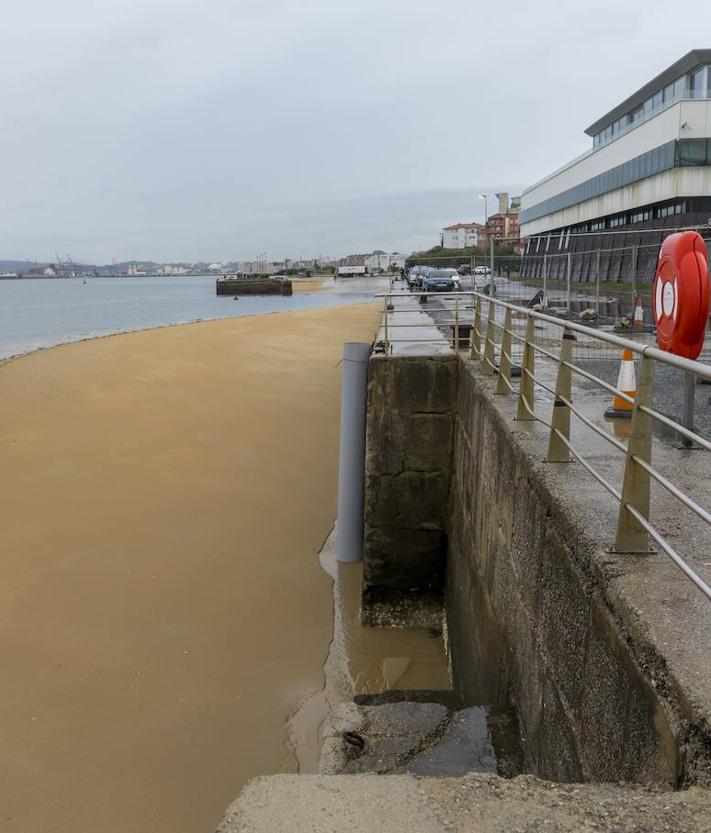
column 408, row 464
column 583, row 643
column 522, row 603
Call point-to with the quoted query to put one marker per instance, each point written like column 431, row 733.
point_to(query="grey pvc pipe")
column 351, row 462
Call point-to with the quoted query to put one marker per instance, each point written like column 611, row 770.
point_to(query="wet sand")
column 163, row 498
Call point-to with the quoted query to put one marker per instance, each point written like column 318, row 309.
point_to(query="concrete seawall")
column 460, row 506
column 409, row 436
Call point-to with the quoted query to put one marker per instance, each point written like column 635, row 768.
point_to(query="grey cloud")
column 179, row 130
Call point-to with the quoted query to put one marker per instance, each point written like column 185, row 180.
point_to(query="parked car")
column 441, row 280
column 482, row 270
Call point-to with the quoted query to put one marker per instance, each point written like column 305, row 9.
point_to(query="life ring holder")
column 681, row 294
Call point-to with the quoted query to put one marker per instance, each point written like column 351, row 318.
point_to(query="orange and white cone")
column 627, row 383
column 638, row 315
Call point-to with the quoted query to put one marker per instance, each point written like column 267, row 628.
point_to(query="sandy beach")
column 160, row 492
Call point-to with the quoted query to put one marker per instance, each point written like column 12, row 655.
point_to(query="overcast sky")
column 213, row 130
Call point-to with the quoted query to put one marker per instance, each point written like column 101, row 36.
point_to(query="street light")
column 491, row 243
column 486, row 206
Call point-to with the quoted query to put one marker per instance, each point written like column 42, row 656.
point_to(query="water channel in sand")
column 163, row 611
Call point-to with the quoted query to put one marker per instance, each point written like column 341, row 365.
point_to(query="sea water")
column 45, row 312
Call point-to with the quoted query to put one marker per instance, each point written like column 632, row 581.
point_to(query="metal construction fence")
column 625, row 258
column 571, row 268
column 541, row 360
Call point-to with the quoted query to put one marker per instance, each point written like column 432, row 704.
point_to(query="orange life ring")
column 681, row 294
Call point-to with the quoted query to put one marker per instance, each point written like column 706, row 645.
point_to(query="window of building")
column 668, row 93
column 636, row 115
column 657, row 100
column 691, row 152
column 640, row 216
column 697, row 83
column 679, row 88
column 648, row 106
column 670, row 210
column 597, row 225
column 620, row 220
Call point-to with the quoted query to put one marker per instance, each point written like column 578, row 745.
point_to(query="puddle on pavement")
column 362, row 660
column 374, row 665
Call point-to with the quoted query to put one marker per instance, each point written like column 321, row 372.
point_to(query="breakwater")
column 253, row 286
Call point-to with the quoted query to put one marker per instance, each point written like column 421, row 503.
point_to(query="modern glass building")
column 648, row 172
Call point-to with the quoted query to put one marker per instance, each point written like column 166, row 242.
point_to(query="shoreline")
column 98, row 337
column 165, row 498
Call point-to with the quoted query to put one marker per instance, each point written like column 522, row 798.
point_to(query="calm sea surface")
column 42, row 313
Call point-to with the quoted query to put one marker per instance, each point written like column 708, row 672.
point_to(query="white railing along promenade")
column 495, row 328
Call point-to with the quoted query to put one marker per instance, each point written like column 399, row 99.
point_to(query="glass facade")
column 656, row 161
column 639, row 215
column 696, row 84
column 692, row 152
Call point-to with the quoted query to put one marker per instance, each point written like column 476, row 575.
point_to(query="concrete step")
column 420, row 739
column 475, row 803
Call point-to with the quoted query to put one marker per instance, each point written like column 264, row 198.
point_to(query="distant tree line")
column 504, row 258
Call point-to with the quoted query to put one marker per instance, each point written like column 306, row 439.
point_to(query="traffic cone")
column 638, row 315
column 627, row 383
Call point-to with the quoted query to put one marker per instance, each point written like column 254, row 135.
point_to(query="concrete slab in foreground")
column 475, row 804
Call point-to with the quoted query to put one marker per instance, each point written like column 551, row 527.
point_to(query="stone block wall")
column 409, row 431
column 522, row 608
column 458, row 509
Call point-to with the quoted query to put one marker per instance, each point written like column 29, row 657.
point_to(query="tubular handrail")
column 669, row 550
column 681, row 363
column 603, row 384
column 579, row 457
column 491, row 338
column 591, row 425
column 680, row 429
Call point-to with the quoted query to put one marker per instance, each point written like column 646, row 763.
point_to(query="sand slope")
column 162, row 610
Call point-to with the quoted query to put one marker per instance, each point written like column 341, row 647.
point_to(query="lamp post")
column 486, row 206
column 486, row 213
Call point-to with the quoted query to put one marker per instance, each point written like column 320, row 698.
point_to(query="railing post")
column 491, row 265
column 476, row 330
column 456, row 324
column 505, row 357
column 526, row 389
column 631, row 536
column 385, row 326
column 488, row 368
column 557, row 450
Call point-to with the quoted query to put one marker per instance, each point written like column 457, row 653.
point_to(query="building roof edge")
column 681, row 67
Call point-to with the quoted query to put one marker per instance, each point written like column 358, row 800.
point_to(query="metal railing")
column 489, row 335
